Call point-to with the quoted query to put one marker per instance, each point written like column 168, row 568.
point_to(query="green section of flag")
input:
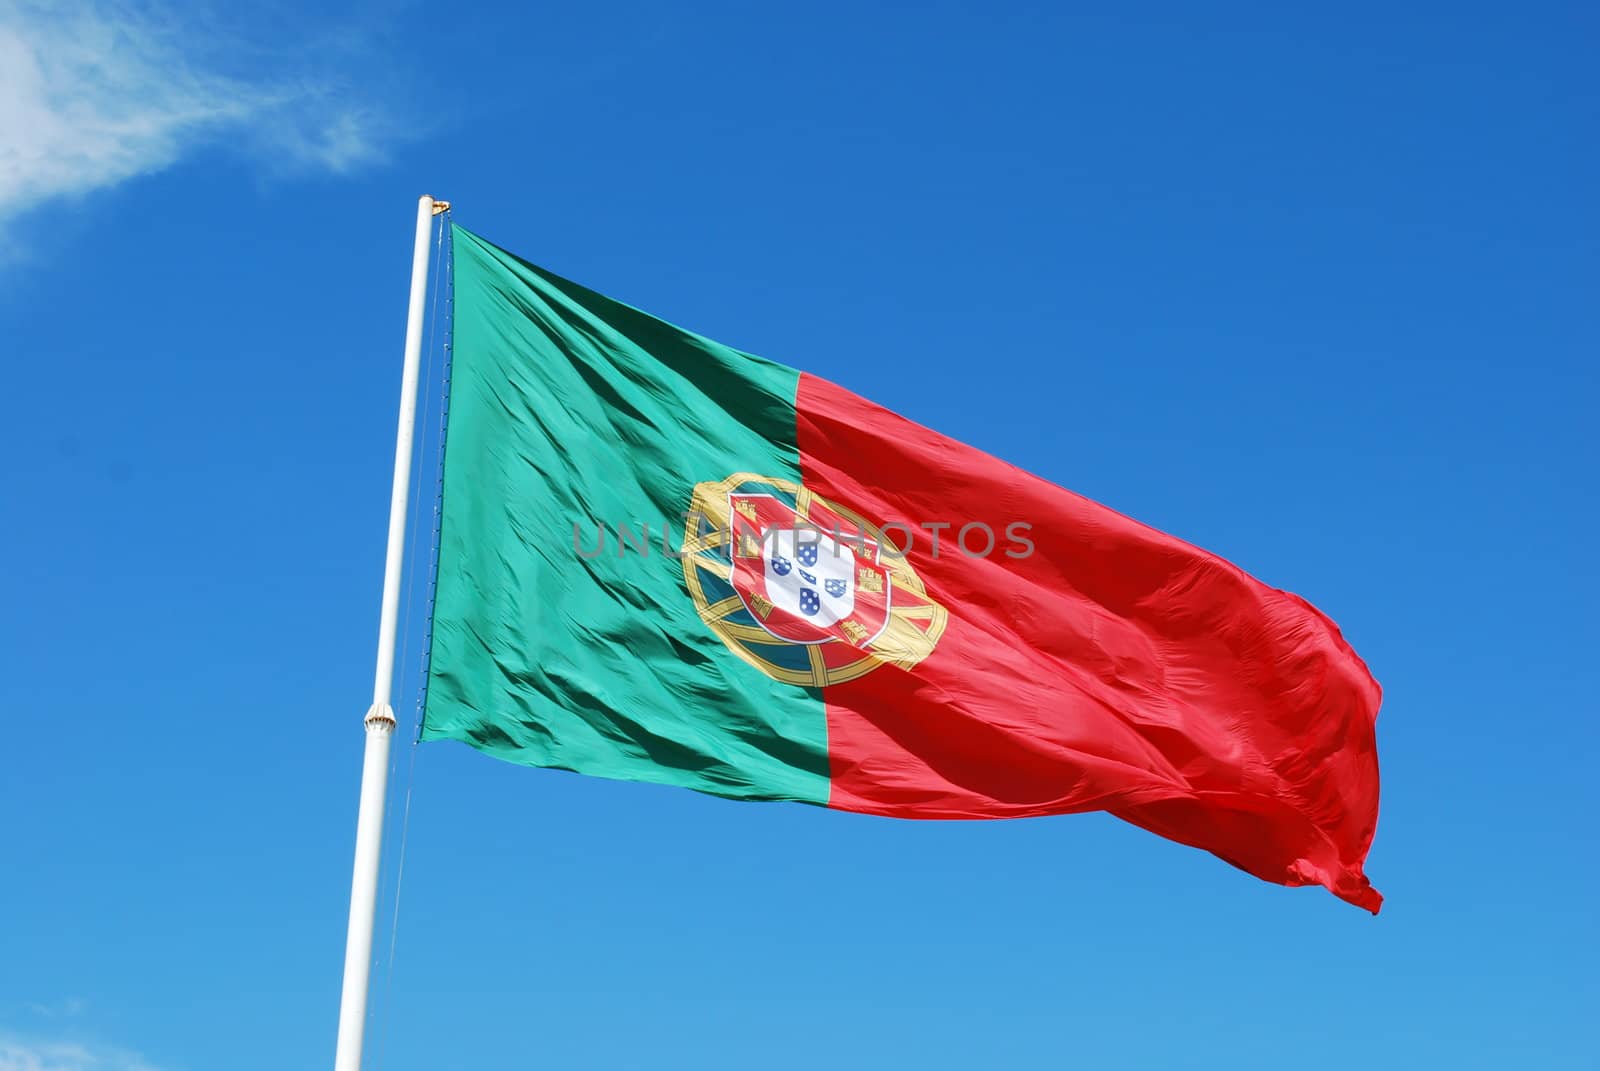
column 569, row 408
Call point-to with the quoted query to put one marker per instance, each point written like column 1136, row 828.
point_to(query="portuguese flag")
column 662, row 559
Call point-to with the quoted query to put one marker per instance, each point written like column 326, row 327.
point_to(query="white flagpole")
column 379, row 721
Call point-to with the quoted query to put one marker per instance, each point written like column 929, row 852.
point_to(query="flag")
column 663, row 559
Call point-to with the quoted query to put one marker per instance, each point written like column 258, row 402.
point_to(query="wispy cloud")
column 65, row 1008
column 95, row 92
column 22, row 1054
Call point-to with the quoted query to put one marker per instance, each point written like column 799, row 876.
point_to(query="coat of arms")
column 806, row 590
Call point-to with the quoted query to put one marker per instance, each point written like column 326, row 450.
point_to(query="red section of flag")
column 1112, row 668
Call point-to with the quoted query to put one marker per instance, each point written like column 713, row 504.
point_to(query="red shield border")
column 752, row 517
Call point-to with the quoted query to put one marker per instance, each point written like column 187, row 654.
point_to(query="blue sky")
column 1315, row 291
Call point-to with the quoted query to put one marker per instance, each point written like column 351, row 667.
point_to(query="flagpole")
column 379, row 721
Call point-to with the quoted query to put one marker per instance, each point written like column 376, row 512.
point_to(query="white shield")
column 809, row 575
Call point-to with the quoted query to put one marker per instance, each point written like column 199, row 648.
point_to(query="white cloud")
column 20, row 1054
column 95, row 92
